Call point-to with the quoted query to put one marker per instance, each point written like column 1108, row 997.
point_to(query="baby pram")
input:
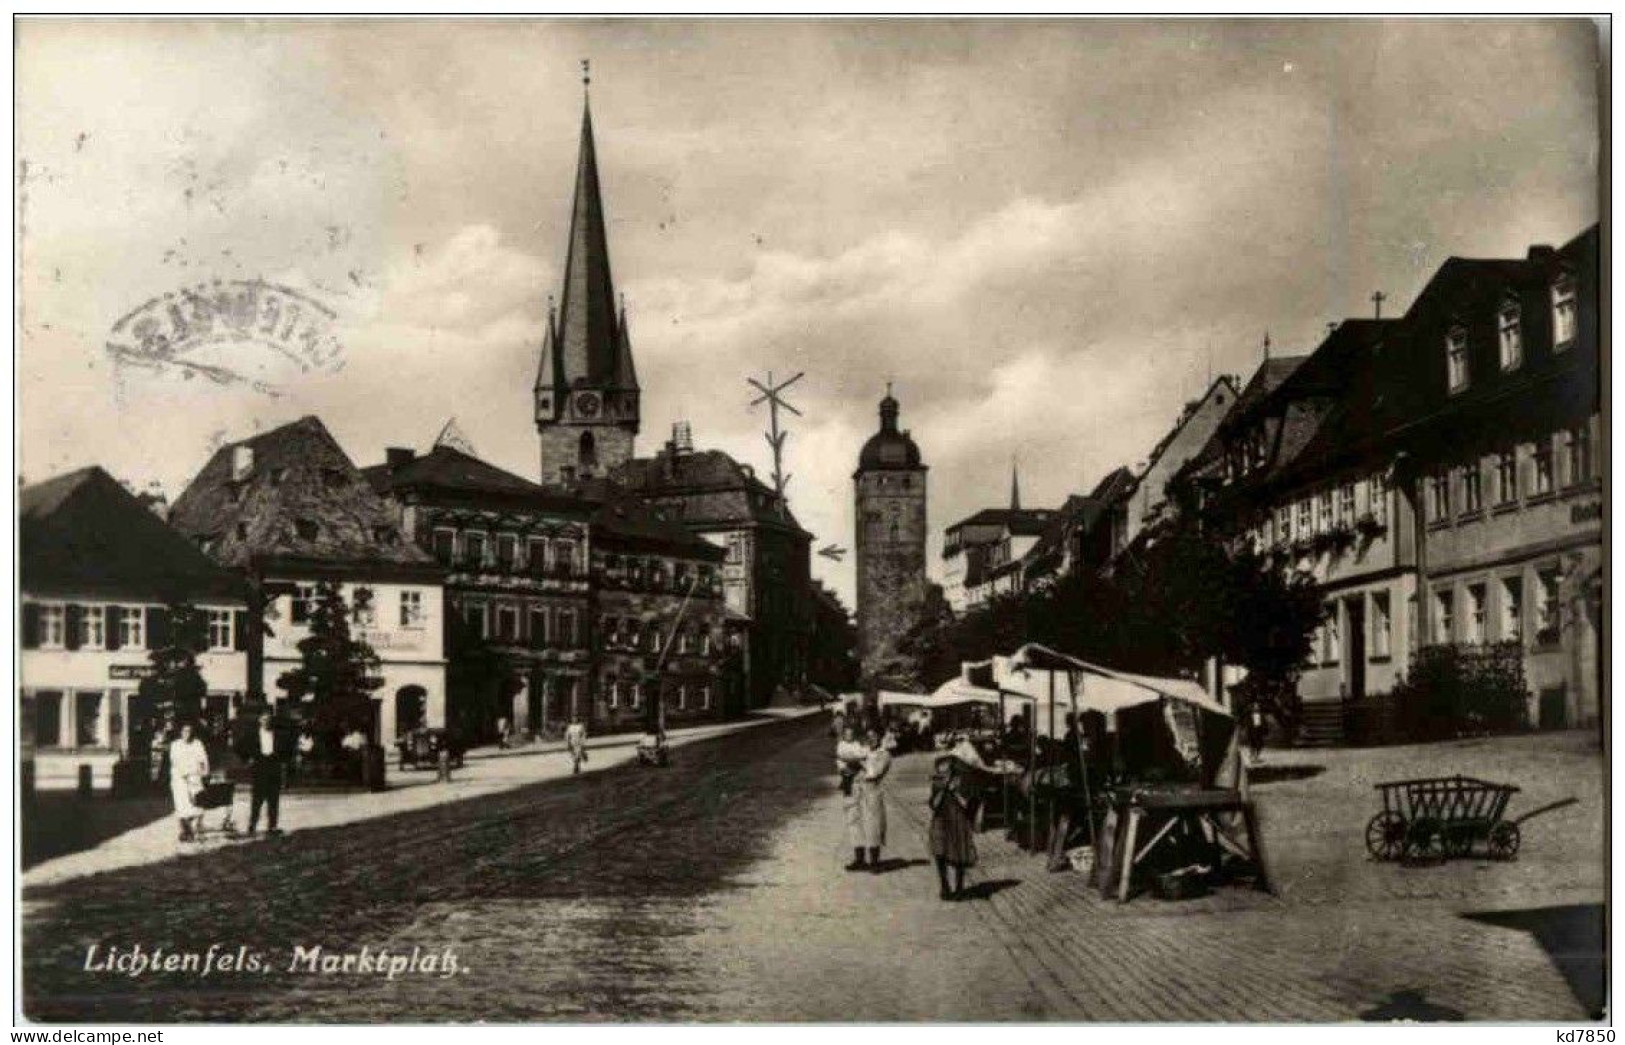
column 218, row 793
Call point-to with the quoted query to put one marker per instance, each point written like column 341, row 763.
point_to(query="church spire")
column 587, row 331
column 1015, row 487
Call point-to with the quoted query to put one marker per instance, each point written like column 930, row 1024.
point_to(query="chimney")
column 1541, row 252
column 396, row 456
column 242, row 462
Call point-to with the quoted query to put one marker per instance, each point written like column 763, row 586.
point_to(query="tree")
column 1184, row 596
column 337, row 673
column 174, row 690
column 481, row 681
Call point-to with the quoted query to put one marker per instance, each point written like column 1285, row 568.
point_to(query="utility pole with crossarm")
column 772, row 395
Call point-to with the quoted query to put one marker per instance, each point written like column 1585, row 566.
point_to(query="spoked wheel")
column 1385, row 836
column 1425, row 842
column 1504, row 840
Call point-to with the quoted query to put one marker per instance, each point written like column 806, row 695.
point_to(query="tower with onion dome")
column 890, row 491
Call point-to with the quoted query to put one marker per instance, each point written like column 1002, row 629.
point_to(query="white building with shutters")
column 97, row 573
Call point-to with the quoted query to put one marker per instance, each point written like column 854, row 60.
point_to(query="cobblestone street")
column 713, row 891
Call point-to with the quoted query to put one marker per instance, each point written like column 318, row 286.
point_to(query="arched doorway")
column 411, row 708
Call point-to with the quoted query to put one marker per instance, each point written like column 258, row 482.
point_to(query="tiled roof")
column 624, row 522
column 719, row 489
column 1021, row 522
column 301, row 498
column 453, row 471
column 84, row 534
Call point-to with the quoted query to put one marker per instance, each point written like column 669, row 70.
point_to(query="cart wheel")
column 1504, row 840
column 1385, row 836
column 1425, row 842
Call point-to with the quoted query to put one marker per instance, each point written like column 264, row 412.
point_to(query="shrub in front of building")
column 1462, row 690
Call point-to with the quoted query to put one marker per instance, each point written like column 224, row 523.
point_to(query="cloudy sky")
column 1047, row 234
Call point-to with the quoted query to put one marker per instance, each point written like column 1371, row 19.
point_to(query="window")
column 1323, row 511
column 536, row 554
column 1381, row 626
column 564, row 557
column 538, row 626
column 48, row 717
column 507, row 551
column 87, row 717
column 1455, row 350
column 132, row 627
column 474, row 549
column 1543, row 481
column 736, row 547
column 1563, row 313
column 220, row 629
column 637, row 695
column 705, row 643
column 474, row 614
column 654, row 637
column 445, row 546
column 507, row 623
column 567, row 629
column 302, row 603
column 1345, row 505
column 1579, row 463
column 1438, row 497
column 1283, row 524
column 364, row 612
column 1511, row 339
column 1546, row 623
column 1472, row 488
column 1512, row 609
column 1475, row 613
column 1305, row 522
column 91, row 628
column 1444, row 616
column 705, row 696
column 682, row 696
column 411, row 609
column 1506, row 477
column 1379, row 499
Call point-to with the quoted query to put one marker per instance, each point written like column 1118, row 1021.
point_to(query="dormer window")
column 1455, row 352
column 1564, row 316
column 1510, row 325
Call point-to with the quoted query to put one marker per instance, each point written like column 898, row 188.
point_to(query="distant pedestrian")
column 575, row 741
column 502, row 732
column 953, row 837
column 264, row 751
column 1256, row 729
column 188, row 771
column 870, row 791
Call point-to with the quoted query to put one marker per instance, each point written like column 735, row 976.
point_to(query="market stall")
column 1171, row 785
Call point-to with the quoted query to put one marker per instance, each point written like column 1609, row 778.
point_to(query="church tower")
column 586, row 392
column 890, row 543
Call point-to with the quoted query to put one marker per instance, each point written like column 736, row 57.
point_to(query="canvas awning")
column 953, row 693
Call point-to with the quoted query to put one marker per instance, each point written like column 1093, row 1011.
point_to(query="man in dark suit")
column 265, row 749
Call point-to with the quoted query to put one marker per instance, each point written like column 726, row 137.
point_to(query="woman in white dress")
column 850, row 756
column 872, row 797
column 188, row 770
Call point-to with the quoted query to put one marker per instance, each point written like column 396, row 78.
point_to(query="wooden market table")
column 1138, row 821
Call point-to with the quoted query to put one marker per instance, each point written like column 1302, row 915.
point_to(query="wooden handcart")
column 1431, row 819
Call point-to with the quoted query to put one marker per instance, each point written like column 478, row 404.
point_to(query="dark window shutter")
column 110, row 627
column 30, row 625
column 157, row 627
column 71, row 625
column 239, row 629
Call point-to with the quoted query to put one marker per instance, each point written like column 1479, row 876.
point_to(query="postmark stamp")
column 182, row 332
